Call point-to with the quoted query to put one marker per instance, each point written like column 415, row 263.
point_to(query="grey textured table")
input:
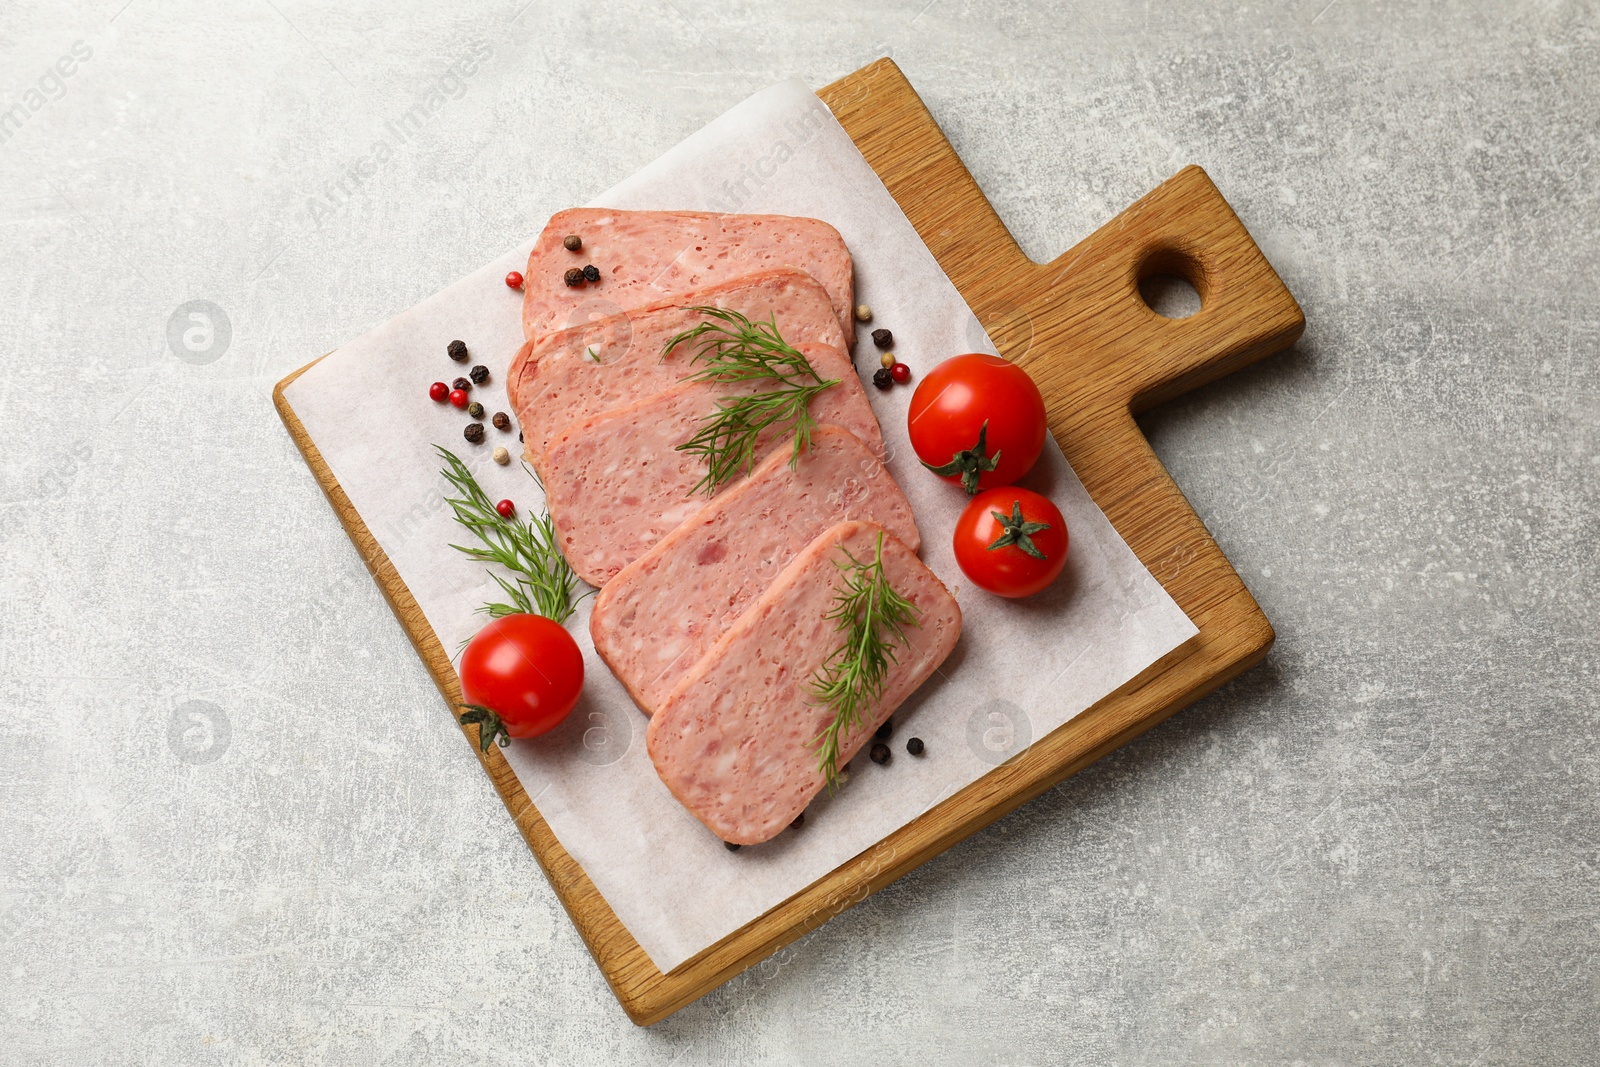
column 236, row 825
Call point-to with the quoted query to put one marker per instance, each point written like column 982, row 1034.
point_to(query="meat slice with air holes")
column 616, row 359
column 658, row 617
column 734, row 741
column 643, row 256
column 616, row 484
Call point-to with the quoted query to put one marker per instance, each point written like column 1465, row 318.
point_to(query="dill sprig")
column 733, row 349
column 542, row 582
column 873, row 618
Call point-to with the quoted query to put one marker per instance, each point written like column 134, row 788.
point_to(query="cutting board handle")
column 1091, row 336
column 1078, row 323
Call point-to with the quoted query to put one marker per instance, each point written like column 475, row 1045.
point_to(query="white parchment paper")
column 1022, row 668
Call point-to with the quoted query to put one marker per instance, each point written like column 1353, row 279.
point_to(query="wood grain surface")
column 1099, row 354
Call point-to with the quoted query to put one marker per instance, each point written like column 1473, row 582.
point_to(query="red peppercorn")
column 458, row 397
column 506, row 509
column 900, row 373
column 439, row 391
column 514, row 280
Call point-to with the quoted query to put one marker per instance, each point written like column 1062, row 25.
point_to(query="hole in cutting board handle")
column 1170, row 296
column 1172, row 283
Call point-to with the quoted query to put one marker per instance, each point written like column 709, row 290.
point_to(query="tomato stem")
column 969, row 463
column 490, row 726
column 1017, row 532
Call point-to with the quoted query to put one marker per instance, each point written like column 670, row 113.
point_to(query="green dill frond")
column 541, row 582
column 873, row 618
column 728, row 347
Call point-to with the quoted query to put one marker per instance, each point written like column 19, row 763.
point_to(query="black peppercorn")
column 591, row 273
column 730, row 846
column 524, row 440
column 458, row 351
column 474, row 432
column 478, row 374
column 879, row 753
column 914, row 746
column 502, row 421
column 572, row 243
column 462, row 384
column 574, row 276
column 882, row 378
column 799, row 821
column 882, row 338
column 885, row 731
column 475, row 409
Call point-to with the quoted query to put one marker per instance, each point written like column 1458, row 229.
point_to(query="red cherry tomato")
column 900, row 373
column 439, row 391
column 977, row 420
column 1011, row 541
column 506, row 509
column 514, row 280
column 527, row 671
column 458, row 397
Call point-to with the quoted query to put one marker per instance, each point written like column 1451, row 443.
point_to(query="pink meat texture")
column 616, row 484
column 617, row 359
column 643, row 256
column 733, row 741
column 660, row 615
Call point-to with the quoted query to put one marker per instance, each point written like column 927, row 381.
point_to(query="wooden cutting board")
column 1099, row 354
